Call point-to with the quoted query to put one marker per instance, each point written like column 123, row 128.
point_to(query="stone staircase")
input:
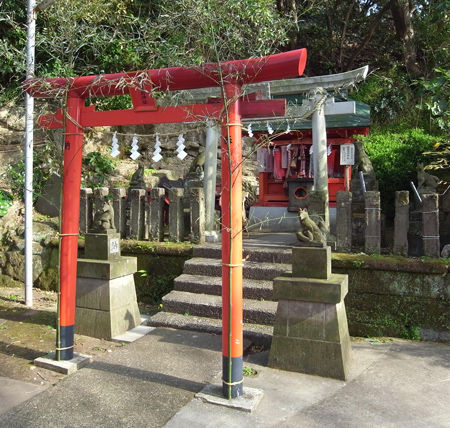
column 196, row 302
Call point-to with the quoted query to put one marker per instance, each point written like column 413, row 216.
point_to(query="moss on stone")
column 390, row 263
column 7, row 281
column 48, row 280
column 159, row 248
column 385, row 315
column 397, row 283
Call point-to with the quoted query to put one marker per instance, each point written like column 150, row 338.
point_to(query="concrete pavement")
column 153, row 382
column 14, row 392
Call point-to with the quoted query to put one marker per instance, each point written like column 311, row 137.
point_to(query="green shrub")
column 96, row 167
column 5, row 202
column 394, row 157
column 41, row 173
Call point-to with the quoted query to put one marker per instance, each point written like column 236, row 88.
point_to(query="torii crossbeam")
column 233, row 107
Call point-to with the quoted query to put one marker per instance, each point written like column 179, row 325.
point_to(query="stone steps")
column 256, row 333
column 252, row 288
column 250, row 253
column 252, row 270
column 196, row 303
column 207, row 305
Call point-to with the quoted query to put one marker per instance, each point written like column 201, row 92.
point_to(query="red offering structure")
column 139, row 86
column 286, row 171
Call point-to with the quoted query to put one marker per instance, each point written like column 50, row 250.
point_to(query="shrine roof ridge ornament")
column 251, row 70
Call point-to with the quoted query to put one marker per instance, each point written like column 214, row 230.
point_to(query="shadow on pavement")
column 148, row 376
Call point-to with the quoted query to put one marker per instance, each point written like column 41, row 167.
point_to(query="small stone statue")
column 309, row 232
column 426, row 183
column 104, row 217
column 137, row 179
column 198, row 163
column 445, row 251
column 363, row 162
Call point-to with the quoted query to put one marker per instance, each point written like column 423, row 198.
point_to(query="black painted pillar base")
column 237, row 387
column 65, row 350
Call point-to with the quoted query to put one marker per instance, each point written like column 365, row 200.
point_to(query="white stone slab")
column 133, row 334
column 247, row 402
column 144, row 318
column 64, row 366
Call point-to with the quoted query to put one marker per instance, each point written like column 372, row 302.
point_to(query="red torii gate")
column 139, row 85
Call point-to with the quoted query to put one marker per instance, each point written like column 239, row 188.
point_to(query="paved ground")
column 152, row 383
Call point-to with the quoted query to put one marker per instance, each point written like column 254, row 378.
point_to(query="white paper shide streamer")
column 250, row 130
column 269, row 128
column 134, row 148
column 181, row 154
column 115, row 146
column 157, row 151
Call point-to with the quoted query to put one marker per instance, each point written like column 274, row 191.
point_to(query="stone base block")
column 106, row 324
column 310, row 333
column 106, row 294
column 311, row 262
column 311, row 320
column 315, row 357
column 106, row 308
column 331, row 290
column 247, row 402
column 63, row 366
column 106, row 269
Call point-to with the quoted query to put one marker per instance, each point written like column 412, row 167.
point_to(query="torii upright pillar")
column 70, row 215
column 232, row 307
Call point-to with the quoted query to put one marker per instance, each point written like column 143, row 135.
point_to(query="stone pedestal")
column 103, row 246
column 310, row 331
column 401, row 223
column 344, row 221
column 106, row 304
column 372, row 235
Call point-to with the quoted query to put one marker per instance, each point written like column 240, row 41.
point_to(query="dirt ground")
column 28, row 333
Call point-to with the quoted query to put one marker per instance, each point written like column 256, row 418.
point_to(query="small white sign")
column 347, row 154
column 113, row 246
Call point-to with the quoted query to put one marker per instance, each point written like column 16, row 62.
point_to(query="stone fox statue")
column 426, row 181
column 309, row 231
column 104, row 217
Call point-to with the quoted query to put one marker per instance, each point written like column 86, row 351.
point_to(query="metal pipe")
column 363, row 183
column 212, row 139
column 320, row 158
column 419, row 198
column 28, row 191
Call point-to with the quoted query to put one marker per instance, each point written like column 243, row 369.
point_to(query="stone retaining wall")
column 395, row 296
column 388, row 295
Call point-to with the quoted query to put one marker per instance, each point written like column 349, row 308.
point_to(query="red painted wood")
column 188, row 113
column 244, row 71
column 232, row 222
column 73, row 147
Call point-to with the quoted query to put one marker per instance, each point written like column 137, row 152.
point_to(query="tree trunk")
column 344, row 34
column 373, row 26
column 401, row 14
